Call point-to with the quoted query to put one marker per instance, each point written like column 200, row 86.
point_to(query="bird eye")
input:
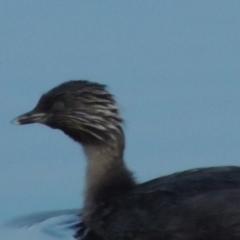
column 57, row 106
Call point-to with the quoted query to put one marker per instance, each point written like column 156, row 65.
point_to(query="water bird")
column 196, row 204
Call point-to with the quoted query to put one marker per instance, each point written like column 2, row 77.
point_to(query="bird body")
column 202, row 205
column 199, row 204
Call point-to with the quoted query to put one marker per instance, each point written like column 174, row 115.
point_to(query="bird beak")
column 30, row 117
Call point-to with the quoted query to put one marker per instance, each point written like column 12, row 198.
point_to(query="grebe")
column 198, row 204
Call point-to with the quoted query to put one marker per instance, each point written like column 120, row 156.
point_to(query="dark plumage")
column 199, row 204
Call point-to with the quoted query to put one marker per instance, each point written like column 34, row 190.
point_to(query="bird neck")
column 107, row 176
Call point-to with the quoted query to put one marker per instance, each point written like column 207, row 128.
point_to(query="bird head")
column 84, row 110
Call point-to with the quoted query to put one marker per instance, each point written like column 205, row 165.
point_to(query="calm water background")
column 174, row 67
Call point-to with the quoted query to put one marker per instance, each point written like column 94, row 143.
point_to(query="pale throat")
column 102, row 161
column 104, row 165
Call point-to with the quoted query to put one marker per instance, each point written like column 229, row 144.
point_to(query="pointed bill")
column 29, row 117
